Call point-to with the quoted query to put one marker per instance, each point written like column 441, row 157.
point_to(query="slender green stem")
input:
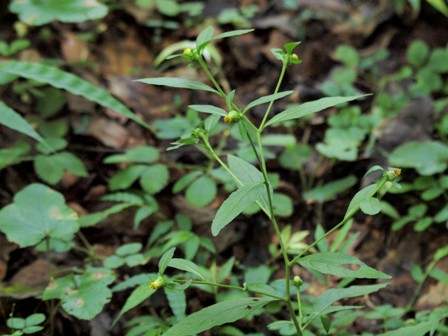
column 262, row 162
column 344, row 221
column 210, row 76
column 420, row 285
column 299, row 305
column 217, row 284
column 279, row 82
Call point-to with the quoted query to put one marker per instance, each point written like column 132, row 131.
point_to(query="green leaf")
column 82, row 296
column 34, row 319
column 232, row 33
column 347, row 55
column 370, row 206
column 428, row 158
column 155, row 178
column 302, row 110
column 67, row 81
column 11, row 119
column 16, row 323
column 248, row 175
column 236, row 203
column 126, row 177
column 185, row 181
column 267, row 99
column 420, row 329
column 12, row 155
column 165, row 260
column 128, row 249
column 283, row 205
column 295, row 156
column 218, row 314
column 204, row 38
column 360, row 196
column 335, row 294
column 37, row 13
column 373, row 169
column 201, row 192
column 338, row 264
column 328, row 191
column 96, row 217
column 37, row 212
column 418, row 53
column 48, row 168
column 141, row 154
column 187, row 266
column 56, row 144
column 289, row 47
column 138, row 295
column 326, row 322
column 177, row 83
column 177, row 301
column 440, row 5
column 209, row 109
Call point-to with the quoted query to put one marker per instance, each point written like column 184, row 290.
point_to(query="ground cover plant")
column 220, row 195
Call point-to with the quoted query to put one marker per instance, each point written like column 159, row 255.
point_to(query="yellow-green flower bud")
column 392, row 174
column 232, row 117
column 297, row 282
column 158, row 283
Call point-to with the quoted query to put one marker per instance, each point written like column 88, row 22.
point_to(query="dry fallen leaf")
column 108, row 132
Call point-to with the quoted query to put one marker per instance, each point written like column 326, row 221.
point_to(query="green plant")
column 254, row 186
column 25, row 326
column 39, row 12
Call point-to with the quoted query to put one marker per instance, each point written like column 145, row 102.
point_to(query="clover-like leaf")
column 37, row 212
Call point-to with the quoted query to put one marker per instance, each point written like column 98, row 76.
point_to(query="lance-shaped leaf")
column 420, row 329
column 359, row 197
column 67, row 81
column 140, row 294
column 335, row 294
column 267, row 99
column 165, row 259
column 236, row 203
column 337, row 263
column 248, row 174
column 11, row 119
column 218, row 314
column 204, row 38
column 209, row 109
column 177, row 83
column 187, row 266
column 232, row 33
column 38, row 212
column 302, row 110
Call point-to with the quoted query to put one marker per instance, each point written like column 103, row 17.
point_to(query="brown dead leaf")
column 108, row 132
column 33, row 275
column 199, row 216
column 78, row 208
column 69, row 179
column 152, row 102
column 125, row 57
column 74, row 49
column 6, row 248
column 436, row 295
